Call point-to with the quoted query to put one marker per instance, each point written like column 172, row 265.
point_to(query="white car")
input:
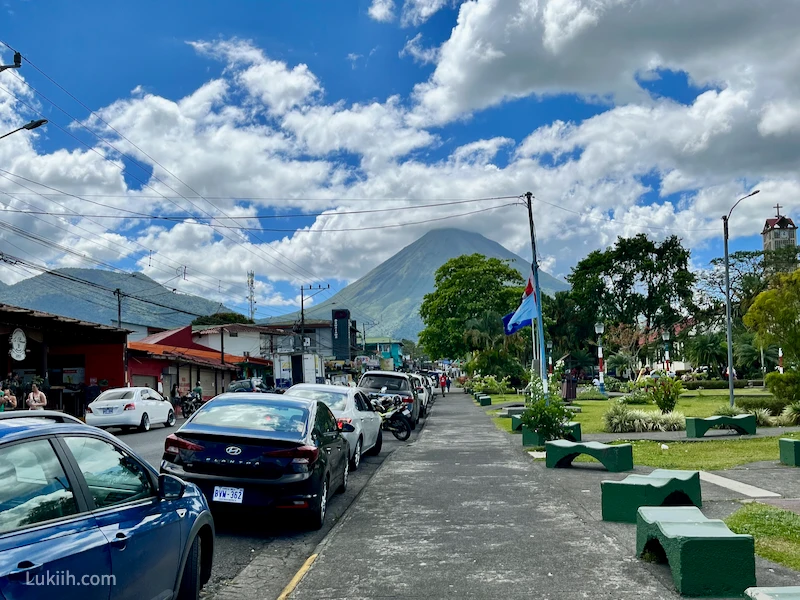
column 130, row 407
column 348, row 405
column 425, row 393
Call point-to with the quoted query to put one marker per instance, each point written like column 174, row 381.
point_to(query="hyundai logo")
column 233, row 450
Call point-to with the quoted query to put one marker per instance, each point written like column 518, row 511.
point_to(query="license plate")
column 228, row 494
column 108, row 411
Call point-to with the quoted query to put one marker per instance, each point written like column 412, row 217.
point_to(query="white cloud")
column 416, row 12
column 414, row 49
column 382, row 10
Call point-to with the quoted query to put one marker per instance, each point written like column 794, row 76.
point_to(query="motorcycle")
column 190, row 404
column 395, row 417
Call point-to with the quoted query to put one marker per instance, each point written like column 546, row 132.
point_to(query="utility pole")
column 538, row 345
column 118, row 294
column 303, row 309
column 251, row 294
column 222, row 346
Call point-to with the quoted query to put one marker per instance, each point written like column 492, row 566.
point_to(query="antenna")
column 251, row 294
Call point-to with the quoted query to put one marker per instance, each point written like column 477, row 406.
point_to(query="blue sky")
column 615, row 114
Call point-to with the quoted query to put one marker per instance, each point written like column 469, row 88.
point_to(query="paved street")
column 276, row 548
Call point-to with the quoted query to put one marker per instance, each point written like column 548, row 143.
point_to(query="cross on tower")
column 778, row 209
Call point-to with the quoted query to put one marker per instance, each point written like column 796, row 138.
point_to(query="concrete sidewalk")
column 465, row 513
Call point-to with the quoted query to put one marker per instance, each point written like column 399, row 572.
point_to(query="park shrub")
column 664, row 393
column 791, row 415
column 591, row 393
column 546, row 418
column 620, row 418
column 763, row 416
column 773, row 404
column 638, row 395
column 785, row 386
column 726, row 410
column 713, row 384
column 613, row 384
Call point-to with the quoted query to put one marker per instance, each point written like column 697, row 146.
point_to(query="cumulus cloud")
column 415, row 50
column 382, row 10
column 416, row 12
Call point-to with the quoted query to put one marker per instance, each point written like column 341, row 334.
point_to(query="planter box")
column 485, row 401
column 531, row 438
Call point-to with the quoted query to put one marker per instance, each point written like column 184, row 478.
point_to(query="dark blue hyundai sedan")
column 82, row 517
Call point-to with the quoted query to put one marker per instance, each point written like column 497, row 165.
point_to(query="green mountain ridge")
column 392, row 292
column 53, row 294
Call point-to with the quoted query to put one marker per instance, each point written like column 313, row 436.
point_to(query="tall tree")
column 637, row 282
column 222, row 318
column 467, row 287
column 775, row 315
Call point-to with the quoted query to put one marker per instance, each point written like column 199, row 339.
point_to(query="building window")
column 234, row 334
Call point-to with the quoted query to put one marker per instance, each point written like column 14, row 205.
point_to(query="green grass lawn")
column 690, row 404
column 776, row 532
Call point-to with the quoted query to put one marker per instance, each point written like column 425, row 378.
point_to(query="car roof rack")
column 54, row 415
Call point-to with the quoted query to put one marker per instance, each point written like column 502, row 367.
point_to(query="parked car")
column 130, row 407
column 395, row 383
column 253, row 384
column 348, row 405
column 262, row 450
column 77, row 502
column 424, row 392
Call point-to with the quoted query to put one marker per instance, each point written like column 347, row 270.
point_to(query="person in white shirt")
column 36, row 399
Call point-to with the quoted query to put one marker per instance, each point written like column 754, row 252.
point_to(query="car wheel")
column 170, row 419
column 190, row 581
column 376, row 449
column 422, row 411
column 145, row 424
column 345, row 477
column 318, row 512
column 355, row 462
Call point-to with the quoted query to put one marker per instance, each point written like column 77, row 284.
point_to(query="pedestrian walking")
column 443, row 383
column 449, row 381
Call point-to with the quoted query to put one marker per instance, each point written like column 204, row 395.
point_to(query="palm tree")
column 623, row 361
column 747, row 353
column 707, row 349
column 484, row 332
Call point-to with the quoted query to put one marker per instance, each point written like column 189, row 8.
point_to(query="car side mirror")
column 346, row 427
column 170, row 487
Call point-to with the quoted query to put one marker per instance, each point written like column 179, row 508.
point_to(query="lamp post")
column 780, row 360
column 725, row 220
column 28, row 126
column 665, row 337
column 599, row 328
column 549, row 357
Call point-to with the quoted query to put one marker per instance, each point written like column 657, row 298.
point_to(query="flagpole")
column 539, row 320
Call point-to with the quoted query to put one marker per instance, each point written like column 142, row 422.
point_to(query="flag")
column 526, row 312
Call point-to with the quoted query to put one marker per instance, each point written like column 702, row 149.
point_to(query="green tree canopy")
column 222, row 318
column 775, row 315
column 637, row 282
column 467, row 287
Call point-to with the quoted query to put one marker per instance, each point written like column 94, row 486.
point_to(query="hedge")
column 771, row 403
column 713, row 384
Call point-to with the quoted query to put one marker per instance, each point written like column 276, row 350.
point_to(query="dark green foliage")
column 222, row 318
column 785, row 386
column 665, row 393
column 713, row 384
column 547, row 420
column 772, row 403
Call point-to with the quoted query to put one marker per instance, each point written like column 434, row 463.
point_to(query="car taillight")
column 343, row 420
column 173, row 445
column 302, row 455
column 130, row 406
column 88, row 410
column 408, row 399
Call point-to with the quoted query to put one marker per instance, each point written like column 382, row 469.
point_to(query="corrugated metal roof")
column 37, row 314
column 204, row 357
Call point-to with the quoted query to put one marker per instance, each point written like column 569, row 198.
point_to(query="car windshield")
column 259, row 416
column 116, row 395
column 334, row 400
column 392, row 384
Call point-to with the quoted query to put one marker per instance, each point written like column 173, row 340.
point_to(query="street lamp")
column 549, row 345
column 725, row 220
column 665, row 337
column 28, row 126
column 599, row 328
column 17, row 63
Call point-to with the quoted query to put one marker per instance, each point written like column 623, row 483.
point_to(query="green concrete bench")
column 485, row 400
column 573, row 431
column 790, row 451
column 697, row 427
column 561, row 453
column 516, row 422
column 773, row 593
column 706, row 558
column 622, row 499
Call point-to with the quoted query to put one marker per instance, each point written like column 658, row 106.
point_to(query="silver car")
column 348, row 405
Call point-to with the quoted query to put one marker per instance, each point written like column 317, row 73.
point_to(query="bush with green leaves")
column 664, row 393
column 591, row 393
column 773, row 404
column 637, row 395
column 763, row 417
column 785, row 386
column 726, row 410
column 620, row 418
column 613, row 384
